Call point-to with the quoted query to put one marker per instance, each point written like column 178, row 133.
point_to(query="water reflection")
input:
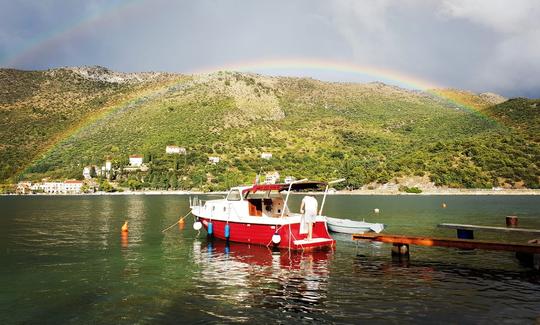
column 239, row 273
column 124, row 241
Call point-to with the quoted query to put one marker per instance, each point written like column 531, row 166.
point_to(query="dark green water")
column 63, row 260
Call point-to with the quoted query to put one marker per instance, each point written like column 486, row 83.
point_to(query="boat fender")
column 227, row 231
column 210, row 229
column 276, row 238
column 197, row 225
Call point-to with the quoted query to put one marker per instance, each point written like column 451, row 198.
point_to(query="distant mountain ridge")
column 54, row 122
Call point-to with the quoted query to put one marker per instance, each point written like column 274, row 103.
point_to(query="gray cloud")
column 478, row 45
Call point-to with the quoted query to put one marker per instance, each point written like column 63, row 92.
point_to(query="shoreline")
column 437, row 192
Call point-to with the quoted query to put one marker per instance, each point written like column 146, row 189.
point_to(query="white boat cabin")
column 264, row 201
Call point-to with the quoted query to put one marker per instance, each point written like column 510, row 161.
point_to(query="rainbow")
column 301, row 65
column 34, row 46
column 313, row 67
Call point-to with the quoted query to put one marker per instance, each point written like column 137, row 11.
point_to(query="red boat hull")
column 261, row 234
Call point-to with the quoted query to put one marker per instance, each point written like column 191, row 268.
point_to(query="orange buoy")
column 443, row 205
column 181, row 221
column 125, row 227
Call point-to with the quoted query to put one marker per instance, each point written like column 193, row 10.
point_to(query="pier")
column 467, row 231
column 401, row 244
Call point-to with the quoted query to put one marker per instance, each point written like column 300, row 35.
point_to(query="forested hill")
column 55, row 122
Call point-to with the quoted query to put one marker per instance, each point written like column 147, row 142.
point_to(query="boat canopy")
column 310, row 185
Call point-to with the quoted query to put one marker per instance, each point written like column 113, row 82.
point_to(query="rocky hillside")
column 55, row 122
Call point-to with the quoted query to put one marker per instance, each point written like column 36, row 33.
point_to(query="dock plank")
column 450, row 242
column 487, row 228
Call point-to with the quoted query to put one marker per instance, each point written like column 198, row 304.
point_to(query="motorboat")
column 259, row 214
column 348, row 226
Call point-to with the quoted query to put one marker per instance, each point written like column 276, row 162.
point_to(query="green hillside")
column 319, row 130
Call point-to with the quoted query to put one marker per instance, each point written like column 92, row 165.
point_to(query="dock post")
column 399, row 249
column 511, row 221
column 465, row 234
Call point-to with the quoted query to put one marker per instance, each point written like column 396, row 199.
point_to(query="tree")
column 134, row 184
column 105, row 186
column 173, row 182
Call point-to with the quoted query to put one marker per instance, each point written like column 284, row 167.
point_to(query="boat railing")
column 285, row 205
column 326, row 193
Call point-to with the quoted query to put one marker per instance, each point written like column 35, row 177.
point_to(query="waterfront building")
column 24, row 188
column 72, row 186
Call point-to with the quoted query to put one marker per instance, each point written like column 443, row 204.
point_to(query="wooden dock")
column 399, row 240
column 488, row 228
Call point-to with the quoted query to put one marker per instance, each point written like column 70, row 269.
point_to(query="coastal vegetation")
column 58, row 121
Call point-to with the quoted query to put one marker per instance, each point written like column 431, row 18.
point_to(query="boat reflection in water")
column 255, row 275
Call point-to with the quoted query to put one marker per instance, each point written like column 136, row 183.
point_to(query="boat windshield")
column 263, row 195
column 234, row 195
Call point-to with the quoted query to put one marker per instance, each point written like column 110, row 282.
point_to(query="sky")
column 477, row 45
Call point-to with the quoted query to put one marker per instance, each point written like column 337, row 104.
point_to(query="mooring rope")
column 164, row 230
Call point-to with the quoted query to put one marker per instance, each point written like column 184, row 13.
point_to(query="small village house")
column 86, row 172
column 266, row 155
column 289, row 179
column 271, row 178
column 171, row 150
column 24, row 188
column 213, row 160
column 136, row 160
column 108, row 165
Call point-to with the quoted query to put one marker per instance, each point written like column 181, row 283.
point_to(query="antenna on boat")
column 326, row 192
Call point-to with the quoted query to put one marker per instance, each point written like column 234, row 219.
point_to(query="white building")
column 271, row 178
column 52, row 187
column 289, row 179
column 24, row 188
column 136, row 160
column 266, row 155
column 175, row 150
column 72, row 186
column 214, row 160
column 108, row 165
column 86, row 172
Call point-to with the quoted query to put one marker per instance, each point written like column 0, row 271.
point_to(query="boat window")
column 234, row 195
column 263, row 195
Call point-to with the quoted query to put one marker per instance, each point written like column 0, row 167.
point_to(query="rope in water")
column 174, row 224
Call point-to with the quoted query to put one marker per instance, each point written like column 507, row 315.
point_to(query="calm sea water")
column 64, row 260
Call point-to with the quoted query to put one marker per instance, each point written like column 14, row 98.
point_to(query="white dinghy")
column 348, row 226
